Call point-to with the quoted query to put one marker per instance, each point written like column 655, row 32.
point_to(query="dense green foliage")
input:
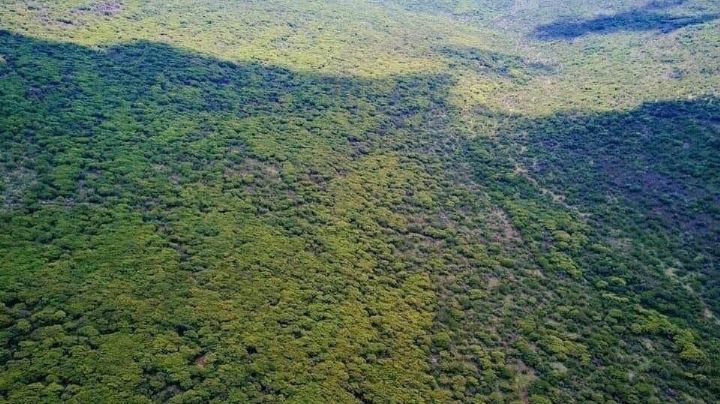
column 393, row 201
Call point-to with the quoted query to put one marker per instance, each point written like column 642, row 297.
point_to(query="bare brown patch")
column 525, row 376
column 201, row 360
column 108, row 8
column 503, row 230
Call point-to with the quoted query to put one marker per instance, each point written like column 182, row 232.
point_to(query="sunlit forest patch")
column 374, row 201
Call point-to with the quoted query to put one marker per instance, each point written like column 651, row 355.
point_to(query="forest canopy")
column 359, row 201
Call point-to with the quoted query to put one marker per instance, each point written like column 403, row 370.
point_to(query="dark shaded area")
column 653, row 172
column 663, row 156
column 629, row 202
column 635, row 20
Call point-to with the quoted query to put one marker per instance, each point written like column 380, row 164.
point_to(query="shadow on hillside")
column 653, row 170
column 663, row 156
column 635, row 20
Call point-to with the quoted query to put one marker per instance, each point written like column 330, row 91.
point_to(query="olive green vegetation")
column 350, row 201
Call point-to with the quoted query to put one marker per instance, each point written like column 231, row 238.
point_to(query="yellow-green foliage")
column 359, row 201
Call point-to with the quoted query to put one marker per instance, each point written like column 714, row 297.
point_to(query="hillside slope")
column 351, row 201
